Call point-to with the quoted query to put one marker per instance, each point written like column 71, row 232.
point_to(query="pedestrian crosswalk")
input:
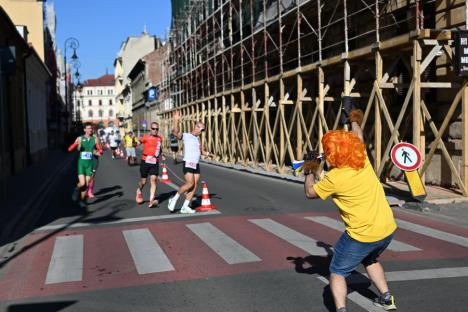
column 170, row 249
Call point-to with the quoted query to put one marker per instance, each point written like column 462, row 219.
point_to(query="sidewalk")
column 23, row 193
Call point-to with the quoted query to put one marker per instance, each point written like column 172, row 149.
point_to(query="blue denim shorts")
column 349, row 253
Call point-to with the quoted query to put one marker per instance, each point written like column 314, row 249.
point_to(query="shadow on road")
column 105, row 197
column 165, row 196
column 320, row 265
column 108, row 189
column 43, row 306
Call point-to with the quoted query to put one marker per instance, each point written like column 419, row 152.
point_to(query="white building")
column 95, row 102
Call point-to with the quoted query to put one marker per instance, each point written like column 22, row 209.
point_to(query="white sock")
column 176, row 196
column 186, row 203
column 151, row 196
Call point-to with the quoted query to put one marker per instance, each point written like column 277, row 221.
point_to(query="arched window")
column 90, row 102
column 100, row 102
column 111, row 113
column 90, row 113
column 101, row 113
column 110, row 102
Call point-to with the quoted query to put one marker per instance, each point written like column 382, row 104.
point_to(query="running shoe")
column 153, row 202
column 139, row 198
column 76, row 195
column 90, row 193
column 186, row 209
column 387, row 305
column 171, row 204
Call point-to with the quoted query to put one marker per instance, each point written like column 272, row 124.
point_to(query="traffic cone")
column 164, row 176
column 206, row 203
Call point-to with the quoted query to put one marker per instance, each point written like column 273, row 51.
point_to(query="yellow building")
column 28, row 13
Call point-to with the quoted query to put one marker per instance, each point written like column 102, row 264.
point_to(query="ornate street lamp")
column 70, row 43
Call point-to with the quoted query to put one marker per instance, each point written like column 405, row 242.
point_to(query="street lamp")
column 70, row 43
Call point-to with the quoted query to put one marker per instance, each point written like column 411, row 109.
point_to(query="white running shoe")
column 186, row 209
column 171, row 204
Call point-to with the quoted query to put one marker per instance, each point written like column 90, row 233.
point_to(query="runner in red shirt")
column 152, row 153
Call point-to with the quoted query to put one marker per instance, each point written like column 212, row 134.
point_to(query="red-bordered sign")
column 406, row 156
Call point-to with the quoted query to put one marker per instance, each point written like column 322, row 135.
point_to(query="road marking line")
column 129, row 220
column 291, row 236
column 395, row 245
column 66, row 264
column 231, row 251
column 146, row 252
column 424, row 230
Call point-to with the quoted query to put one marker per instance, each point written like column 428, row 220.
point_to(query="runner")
column 149, row 165
column 174, row 144
column 96, row 154
column 113, row 143
column 86, row 145
column 130, row 144
column 192, row 152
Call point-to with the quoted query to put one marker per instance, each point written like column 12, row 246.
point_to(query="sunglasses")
column 155, row 129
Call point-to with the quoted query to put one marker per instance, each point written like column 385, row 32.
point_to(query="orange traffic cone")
column 206, row 203
column 164, row 176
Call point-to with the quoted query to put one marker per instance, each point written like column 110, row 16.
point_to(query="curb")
column 35, row 201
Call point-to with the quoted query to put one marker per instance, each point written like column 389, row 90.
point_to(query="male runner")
column 150, row 158
column 192, row 152
column 86, row 145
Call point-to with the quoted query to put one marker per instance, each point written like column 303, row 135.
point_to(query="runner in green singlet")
column 87, row 145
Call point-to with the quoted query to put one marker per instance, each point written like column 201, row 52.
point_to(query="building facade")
column 95, row 102
column 131, row 51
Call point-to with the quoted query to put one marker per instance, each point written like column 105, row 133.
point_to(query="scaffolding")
column 267, row 77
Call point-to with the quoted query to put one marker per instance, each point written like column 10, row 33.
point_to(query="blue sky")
column 102, row 25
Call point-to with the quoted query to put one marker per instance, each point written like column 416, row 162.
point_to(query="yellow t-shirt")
column 128, row 141
column 361, row 200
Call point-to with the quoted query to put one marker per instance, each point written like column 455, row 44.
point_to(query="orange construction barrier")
column 206, row 203
column 164, row 176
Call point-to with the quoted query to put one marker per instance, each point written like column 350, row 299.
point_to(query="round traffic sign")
column 406, row 156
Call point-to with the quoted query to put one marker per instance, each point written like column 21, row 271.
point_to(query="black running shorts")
column 148, row 169
column 191, row 170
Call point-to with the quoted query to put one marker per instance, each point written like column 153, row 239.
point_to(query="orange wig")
column 344, row 149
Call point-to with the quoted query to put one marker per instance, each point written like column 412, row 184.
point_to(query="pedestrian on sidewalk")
column 87, row 145
column 193, row 149
column 149, row 166
column 359, row 195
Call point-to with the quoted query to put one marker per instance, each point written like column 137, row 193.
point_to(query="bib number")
column 151, row 160
column 86, row 155
column 191, row 164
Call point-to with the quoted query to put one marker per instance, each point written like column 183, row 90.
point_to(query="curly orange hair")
column 344, row 149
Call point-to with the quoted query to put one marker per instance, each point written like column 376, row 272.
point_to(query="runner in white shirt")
column 193, row 149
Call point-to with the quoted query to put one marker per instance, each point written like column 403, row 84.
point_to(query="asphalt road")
column 265, row 248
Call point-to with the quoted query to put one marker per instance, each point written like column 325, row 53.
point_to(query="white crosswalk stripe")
column 424, row 230
column 291, row 236
column 395, row 245
column 231, row 251
column 146, row 252
column 66, row 263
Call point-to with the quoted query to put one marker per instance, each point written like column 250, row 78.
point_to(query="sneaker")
column 387, row 305
column 171, row 204
column 90, row 193
column 139, row 198
column 76, row 195
column 153, row 202
column 186, row 209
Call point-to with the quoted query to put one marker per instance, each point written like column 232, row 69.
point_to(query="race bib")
column 151, row 160
column 191, row 164
column 86, row 155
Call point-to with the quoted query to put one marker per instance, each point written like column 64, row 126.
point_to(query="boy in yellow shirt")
column 356, row 190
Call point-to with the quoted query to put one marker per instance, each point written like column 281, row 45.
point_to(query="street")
column 265, row 248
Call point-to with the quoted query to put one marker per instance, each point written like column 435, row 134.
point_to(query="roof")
column 103, row 81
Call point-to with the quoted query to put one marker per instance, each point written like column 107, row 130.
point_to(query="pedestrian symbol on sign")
column 405, row 156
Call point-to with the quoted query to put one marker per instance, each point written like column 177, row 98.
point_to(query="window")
column 100, row 102
column 101, row 113
column 90, row 102
column 110, row 102
column 100, row 92
column 90, row 92
column 110, row 92
column 78, row 103
column 111, row 113
column 90, row 113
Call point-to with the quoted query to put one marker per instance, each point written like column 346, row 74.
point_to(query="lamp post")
column 77, row 88
column 70, row 43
